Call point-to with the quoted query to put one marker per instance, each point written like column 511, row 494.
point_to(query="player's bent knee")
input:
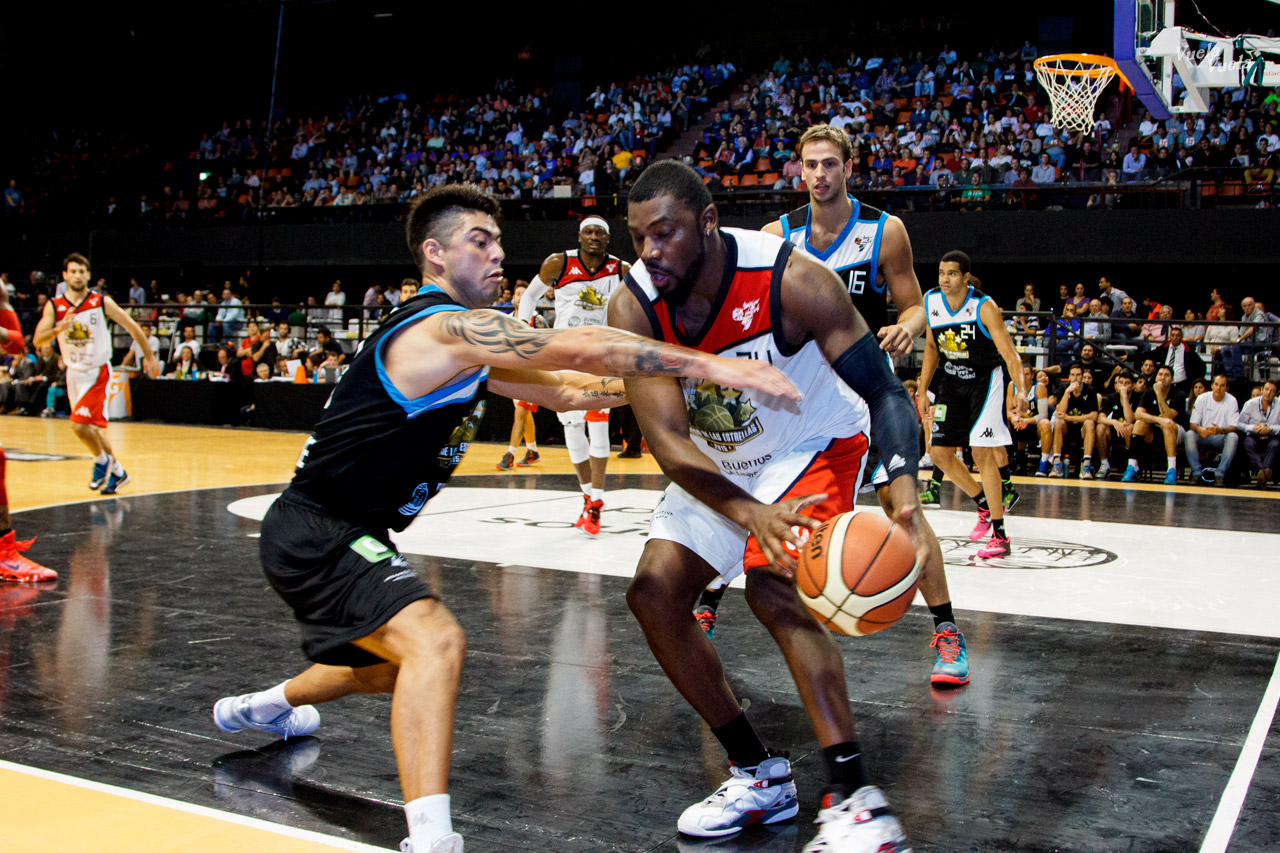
column 423, row 629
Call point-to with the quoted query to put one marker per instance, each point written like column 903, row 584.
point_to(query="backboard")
column 1172, row 69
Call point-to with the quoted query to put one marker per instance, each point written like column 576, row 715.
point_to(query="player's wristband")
column 865, row 369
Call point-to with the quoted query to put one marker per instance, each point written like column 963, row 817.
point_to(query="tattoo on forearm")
column 651, row 358
column 495, row 332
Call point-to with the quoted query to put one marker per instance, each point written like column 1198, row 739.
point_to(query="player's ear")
column 710, row 219
column 433, row 252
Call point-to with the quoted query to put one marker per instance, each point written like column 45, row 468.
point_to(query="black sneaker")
column 508, row 461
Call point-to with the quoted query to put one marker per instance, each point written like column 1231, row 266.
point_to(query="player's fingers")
column 804, row 502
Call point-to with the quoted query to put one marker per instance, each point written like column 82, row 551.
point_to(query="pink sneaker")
column 983, row 527
column 997, row 547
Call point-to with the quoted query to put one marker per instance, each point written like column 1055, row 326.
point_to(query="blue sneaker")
column 1171, row 477
column 951, row 666
column 114, row 482
column 1058, row 470
column 1130, row 474
column 230, row 715
column 100, row 471
column 1043, row 470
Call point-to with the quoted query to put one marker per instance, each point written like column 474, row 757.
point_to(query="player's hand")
column 1124, row 430
column 774, row 527
column 922, row 406
column 1021, row 405
column 151, row 366
column 750, row 373
column 896, row 339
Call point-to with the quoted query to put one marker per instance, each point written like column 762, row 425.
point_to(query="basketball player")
column 967, row 329
column 583, row 279
column 522, row 425
column 78, row 319
column 743, row 468
column 370, row 624
column 14, row 566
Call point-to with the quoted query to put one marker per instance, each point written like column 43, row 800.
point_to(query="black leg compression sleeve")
column 865, row 368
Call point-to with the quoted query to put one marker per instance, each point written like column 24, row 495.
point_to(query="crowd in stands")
column 387, row 150
column 976, row 131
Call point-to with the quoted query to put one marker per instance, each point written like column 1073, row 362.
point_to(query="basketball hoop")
column 1074, row 81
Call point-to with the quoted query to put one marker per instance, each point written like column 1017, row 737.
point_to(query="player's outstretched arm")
column 561, row 390
column 485, row 337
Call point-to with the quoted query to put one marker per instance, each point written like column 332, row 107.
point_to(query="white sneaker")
column 763, row 794
column 860, row 824
column 451, row 843
column 229, row 715
column 926, row 462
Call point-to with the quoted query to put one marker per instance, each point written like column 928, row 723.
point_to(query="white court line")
column 202, row 811
column 1224, row 821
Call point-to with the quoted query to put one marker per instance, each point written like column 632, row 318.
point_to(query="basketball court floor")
column 1124, row 671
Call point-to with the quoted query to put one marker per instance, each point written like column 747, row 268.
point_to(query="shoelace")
column 21, row 544
column 948, row 645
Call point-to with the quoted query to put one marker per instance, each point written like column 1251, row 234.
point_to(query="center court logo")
column 1026, row 554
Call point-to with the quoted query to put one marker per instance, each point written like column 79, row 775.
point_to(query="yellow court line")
column 64, row 813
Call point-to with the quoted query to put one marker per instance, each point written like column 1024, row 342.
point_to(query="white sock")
column 532, row 445
column 1133, row 463
column 428, row 819
column 1173, row 462
column 116, row 467
column 102, row 458
column 267, row 705
column 1044, row 457
column 586, row 488
column 1057, row 457
column 511, row 450
column 597, row 494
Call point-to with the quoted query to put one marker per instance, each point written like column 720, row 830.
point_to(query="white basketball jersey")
column 582, row 295
column 742, row 430
column 87, row 344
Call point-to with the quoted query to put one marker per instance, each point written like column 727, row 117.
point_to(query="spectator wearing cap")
column 1259, row 423
column 1214, row 418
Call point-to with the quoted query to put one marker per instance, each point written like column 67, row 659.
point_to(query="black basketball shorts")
column 971, row 414
column 342, row 581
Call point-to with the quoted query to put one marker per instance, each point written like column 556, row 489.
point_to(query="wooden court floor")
column 1104, row 734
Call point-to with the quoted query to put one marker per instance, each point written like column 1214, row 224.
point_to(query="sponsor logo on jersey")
column 953, row 345
column 960, row 371
column 723, row 417
column 746, row 312
column 77, row 333
column 590, row 298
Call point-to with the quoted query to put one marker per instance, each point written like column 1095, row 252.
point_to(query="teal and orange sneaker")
column 951, row 666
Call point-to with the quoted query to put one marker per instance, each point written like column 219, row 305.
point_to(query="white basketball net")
column 1073, row 87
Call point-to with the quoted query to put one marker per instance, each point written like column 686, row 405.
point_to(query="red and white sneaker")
column 862, row 823
column 997, row 547
column 983, row 527
column 17, row 568
column 591, row 516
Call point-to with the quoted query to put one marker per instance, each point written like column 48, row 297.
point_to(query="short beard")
column 686, row 280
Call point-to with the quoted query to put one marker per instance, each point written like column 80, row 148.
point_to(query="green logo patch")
column 371, row 549
column 940, row 412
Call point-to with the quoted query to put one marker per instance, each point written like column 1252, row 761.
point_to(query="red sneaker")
column 983, row 527
column 15, row 567
column 591, row 516
column 582, row 519
column 998, row 546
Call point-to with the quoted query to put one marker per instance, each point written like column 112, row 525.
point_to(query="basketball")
column 858, row 573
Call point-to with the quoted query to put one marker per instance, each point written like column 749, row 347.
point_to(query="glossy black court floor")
column 1073, row 736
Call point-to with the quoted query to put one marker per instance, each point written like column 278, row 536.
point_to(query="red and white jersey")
column 581, row 295
column 742, row 430
column 87, row 344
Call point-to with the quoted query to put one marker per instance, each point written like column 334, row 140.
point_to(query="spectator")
column 277, row 313
column 1260, row 424
column 229, row 319
column 1080, row 300
column 1250, row 314
column 408, row 288
column 136, row 292
column 1135, row 164
column 287, row 344
column 1096, row 327
column 1192, row 328
column 228, row 368
column 332, row 350
column 133, row 358
column 1128, row 326
column 256, row 348
column 186, row 366
column 1045, row 172
column 1180, row 358
column 1213, row 427
column 1266, row 336
column 12, row 199
column 335, row 298
column 1115, row 295
column 187, row 341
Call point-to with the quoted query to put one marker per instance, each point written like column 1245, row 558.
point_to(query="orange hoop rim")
column 1105, row 64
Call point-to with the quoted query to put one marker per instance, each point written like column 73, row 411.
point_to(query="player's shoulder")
column 774, row 228
column 755, row 249
column 553, row 263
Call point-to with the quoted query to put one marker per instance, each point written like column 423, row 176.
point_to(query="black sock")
column 741, row 742
column 6, row 532
column 1005, row 474
column 711, row 597
column 942, row 613
column 997, row 526
column 981, row 501
column 844, row 766
column 937, row 475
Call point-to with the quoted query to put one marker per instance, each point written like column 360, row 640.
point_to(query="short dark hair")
column 673, row 178
column 1125, row 374
column 74, row 258
column 324, row 330
column 955, row 256
column 435, row 214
